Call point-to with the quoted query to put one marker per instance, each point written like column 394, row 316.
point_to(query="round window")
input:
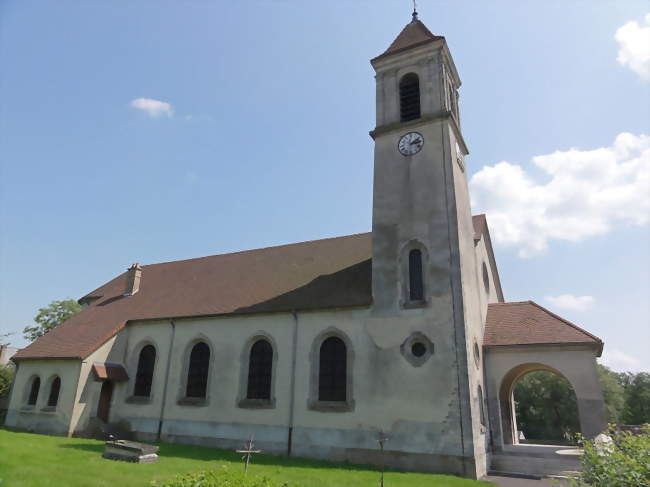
column 486, row 278
column 418, row 349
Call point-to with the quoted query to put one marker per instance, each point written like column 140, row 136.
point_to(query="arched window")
column 332, row 372
column 55, row 388
column 409, row 97
column 197, row 372
column 416, row 282
column 481, row 407
column 144, row 375
column 33, row 391
column 260, row 366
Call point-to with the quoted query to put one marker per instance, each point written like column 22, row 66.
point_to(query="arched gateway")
column 524, row 337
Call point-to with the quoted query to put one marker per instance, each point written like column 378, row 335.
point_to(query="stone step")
column 534, row 465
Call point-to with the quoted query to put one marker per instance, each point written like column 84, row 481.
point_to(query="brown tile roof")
column 414, row 34
column 334, row 272
column 528, row 323
column 329, row 273
column 106, row 371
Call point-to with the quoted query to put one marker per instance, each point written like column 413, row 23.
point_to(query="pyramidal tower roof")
column 414, row 34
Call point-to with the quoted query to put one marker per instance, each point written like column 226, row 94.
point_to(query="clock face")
column 410, row 143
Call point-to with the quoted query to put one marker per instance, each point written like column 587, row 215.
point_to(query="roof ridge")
column 258, row 249
column 566, row 321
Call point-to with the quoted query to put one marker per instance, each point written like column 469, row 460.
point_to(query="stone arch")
column 506, row 397
column 582, row 377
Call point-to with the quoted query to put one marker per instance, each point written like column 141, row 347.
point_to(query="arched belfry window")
column 33, row 391
column 197, row 371
column 144, row 374
column 416, row 281
column 409, row 97
column 260, row 366
column 55, row 388
column 332, row 371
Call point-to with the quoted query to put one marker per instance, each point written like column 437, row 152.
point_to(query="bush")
column 219, row 478
column 624, row 462
column 6, row 378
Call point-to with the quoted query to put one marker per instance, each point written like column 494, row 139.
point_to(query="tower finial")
column 415, row 11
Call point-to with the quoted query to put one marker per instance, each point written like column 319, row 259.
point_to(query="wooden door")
column 105, row 396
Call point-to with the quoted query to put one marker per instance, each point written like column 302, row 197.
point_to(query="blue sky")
column 152, row 131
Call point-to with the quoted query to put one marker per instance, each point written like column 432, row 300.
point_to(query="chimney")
column 133, row 276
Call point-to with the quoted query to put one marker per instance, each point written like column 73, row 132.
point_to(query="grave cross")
column 248, row 451
column 382, row 439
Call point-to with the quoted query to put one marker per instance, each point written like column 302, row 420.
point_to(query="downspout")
column 293, row 382
column 164, row 396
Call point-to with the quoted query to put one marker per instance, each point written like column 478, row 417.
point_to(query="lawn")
column 29, row 460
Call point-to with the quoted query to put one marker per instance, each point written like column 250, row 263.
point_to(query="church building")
column 319, row 347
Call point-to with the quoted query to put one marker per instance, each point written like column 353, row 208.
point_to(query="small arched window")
column 144, row 375
column 486, row 278
column 416, row 282
column 55, row 388
column 197, row 372
column 409, row 97
column 481, row 407
column 260, row 366
column 33, row 391
column 332, row 372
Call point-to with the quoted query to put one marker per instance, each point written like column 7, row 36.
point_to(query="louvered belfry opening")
column 33, row 391
column 197, row 372
column 332, row 377
column 416, row 282
column 260, row 367
column 144, row 375
column 409, row 97
column 55, row 388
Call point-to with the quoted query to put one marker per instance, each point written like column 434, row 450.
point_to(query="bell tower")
column 424, row 280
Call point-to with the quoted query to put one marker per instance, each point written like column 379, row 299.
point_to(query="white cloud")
column 569, row 301
column 634, row 47
column 586, row 193
column 153, row 108
column 622, row 362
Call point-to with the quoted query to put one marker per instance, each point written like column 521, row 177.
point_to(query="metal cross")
column 383, row 439
column 415, row 11
column 248, row 451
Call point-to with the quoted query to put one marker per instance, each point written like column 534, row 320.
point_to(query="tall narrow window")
column 332, row 377
column 260, row 366
column 197, row 372
column 409, row 97
column 144, row 375
column 416, row 283
column 33, row 391
column 481, row 408
column 55, row 388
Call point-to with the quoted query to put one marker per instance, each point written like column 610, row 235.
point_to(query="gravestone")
column 130, row 451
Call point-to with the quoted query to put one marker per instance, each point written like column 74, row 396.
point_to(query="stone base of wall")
column 394, row 459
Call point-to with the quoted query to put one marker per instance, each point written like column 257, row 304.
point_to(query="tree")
column 51, row 317
column 546, row 407
column 613, row 393
column 637, row 398
column 6, row 378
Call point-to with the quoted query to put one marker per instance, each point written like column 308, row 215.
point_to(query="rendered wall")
column 40, row 417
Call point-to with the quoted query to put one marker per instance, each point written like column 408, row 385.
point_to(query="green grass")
column 29, row 460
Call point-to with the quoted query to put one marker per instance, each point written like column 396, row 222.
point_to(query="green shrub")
column 223, row 477
column 7, row 373
column 625, row 462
